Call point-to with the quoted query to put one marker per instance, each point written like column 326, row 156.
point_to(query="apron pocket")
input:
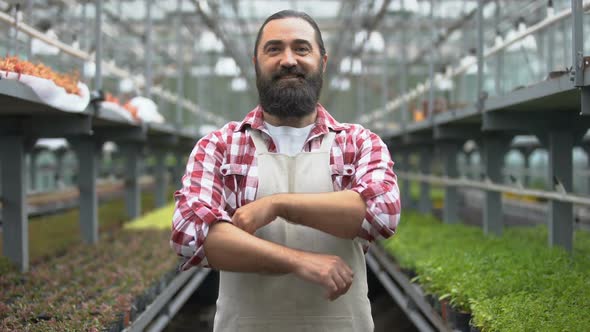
column 296, row 324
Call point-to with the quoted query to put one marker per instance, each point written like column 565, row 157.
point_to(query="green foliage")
column 88, row 286
column 54, row 234
column 509, row 283
column 437, row 194
column 157, row 219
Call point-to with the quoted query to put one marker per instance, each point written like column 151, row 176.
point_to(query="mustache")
column 290, row 71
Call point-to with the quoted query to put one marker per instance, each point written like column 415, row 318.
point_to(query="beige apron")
column 250, row 302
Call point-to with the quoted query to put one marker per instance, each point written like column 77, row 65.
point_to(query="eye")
column 302, row 50
column 273, row 49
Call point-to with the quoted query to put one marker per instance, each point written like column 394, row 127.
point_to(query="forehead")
column 287, row 29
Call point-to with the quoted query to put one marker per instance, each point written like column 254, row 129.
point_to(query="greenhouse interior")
column 462, row 124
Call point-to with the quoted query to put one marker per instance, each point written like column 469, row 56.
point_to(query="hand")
column 255, row 215
column 329, row 271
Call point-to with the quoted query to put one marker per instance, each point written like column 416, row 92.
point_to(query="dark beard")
column 292, row 98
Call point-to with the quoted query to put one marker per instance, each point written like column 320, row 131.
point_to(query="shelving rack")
column 553, row 110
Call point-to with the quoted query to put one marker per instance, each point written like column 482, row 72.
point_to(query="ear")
column 325, row 58
column 254, row 60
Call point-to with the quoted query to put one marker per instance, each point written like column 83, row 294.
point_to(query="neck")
column 291, row 121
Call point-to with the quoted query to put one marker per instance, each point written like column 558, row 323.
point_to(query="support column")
column 59, row 172
column 429, row 112
column 15, row 230
column 468, row 173
column 526, row 176
column 586, row 148
column 449, row 152
column 33, row 168
column 132, row 153
column 161, row 178
column 561, row 214
column 385, row 83
column 360, row 90
column 28, row 19
column 179, row 168
column 493, row 150
column 98, row 45
column 550, row 49
column 500, row 56
column 480, row 51
column 405, row 190
column 424, row 202
column 148, row 49
column 578, row 43
column 88, row 155
column 403, row 80
column 180, row 64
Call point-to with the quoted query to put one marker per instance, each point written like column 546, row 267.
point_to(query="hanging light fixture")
column 350, row 65
column 226, row 66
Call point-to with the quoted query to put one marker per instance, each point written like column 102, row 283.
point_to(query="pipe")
column 397, row 295
column 178, row 301
column 490, row 186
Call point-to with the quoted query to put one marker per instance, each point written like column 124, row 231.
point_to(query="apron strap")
column 327, row 142
column 258, row 141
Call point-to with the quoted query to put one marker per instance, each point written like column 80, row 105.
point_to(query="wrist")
column 296, row 260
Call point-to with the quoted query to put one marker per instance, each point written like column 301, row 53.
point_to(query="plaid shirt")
column 222, row 175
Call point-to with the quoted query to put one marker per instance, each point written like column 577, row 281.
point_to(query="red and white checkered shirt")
column 222, row 175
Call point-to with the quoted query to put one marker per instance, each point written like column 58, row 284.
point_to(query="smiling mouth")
column 286, row 77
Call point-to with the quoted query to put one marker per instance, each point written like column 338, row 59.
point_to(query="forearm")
column 229, row 248
column 338, row 213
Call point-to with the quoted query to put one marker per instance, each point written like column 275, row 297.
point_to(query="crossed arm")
column 232, row 247
column 201, row 227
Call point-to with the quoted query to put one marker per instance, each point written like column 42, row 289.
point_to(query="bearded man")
column 286, row 202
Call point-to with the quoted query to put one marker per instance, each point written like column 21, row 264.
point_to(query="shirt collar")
column 323, row 123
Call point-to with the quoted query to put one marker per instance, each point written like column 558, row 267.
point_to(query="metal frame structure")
column 25, row 118
column 407, row 295
column 158, row 314
column 552, row 110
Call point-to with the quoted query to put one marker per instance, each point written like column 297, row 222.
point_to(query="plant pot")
column 127, row 317
column 121, row 321
column 409, row 273
column 457, row 319
column 140, row 303
column 133, row 311
column 474, row 329
column 434, row 303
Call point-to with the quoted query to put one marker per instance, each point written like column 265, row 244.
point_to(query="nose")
column 288, row 59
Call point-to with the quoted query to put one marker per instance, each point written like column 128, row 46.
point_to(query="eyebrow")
column 274, row 42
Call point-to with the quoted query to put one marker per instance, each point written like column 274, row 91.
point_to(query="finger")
column 341, row 281
column 349, row 270
column 343, row 284
column 332, row 290
column 347, row 277
column 348, row 281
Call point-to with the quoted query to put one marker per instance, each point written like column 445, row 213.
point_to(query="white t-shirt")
column 289, row 140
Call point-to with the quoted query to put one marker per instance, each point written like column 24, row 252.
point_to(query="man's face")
column 289, row 68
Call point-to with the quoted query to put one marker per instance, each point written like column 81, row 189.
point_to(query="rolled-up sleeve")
column 376, row 182
column 199, row 203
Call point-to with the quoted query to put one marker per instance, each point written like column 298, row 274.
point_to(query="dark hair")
column 292, row 13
